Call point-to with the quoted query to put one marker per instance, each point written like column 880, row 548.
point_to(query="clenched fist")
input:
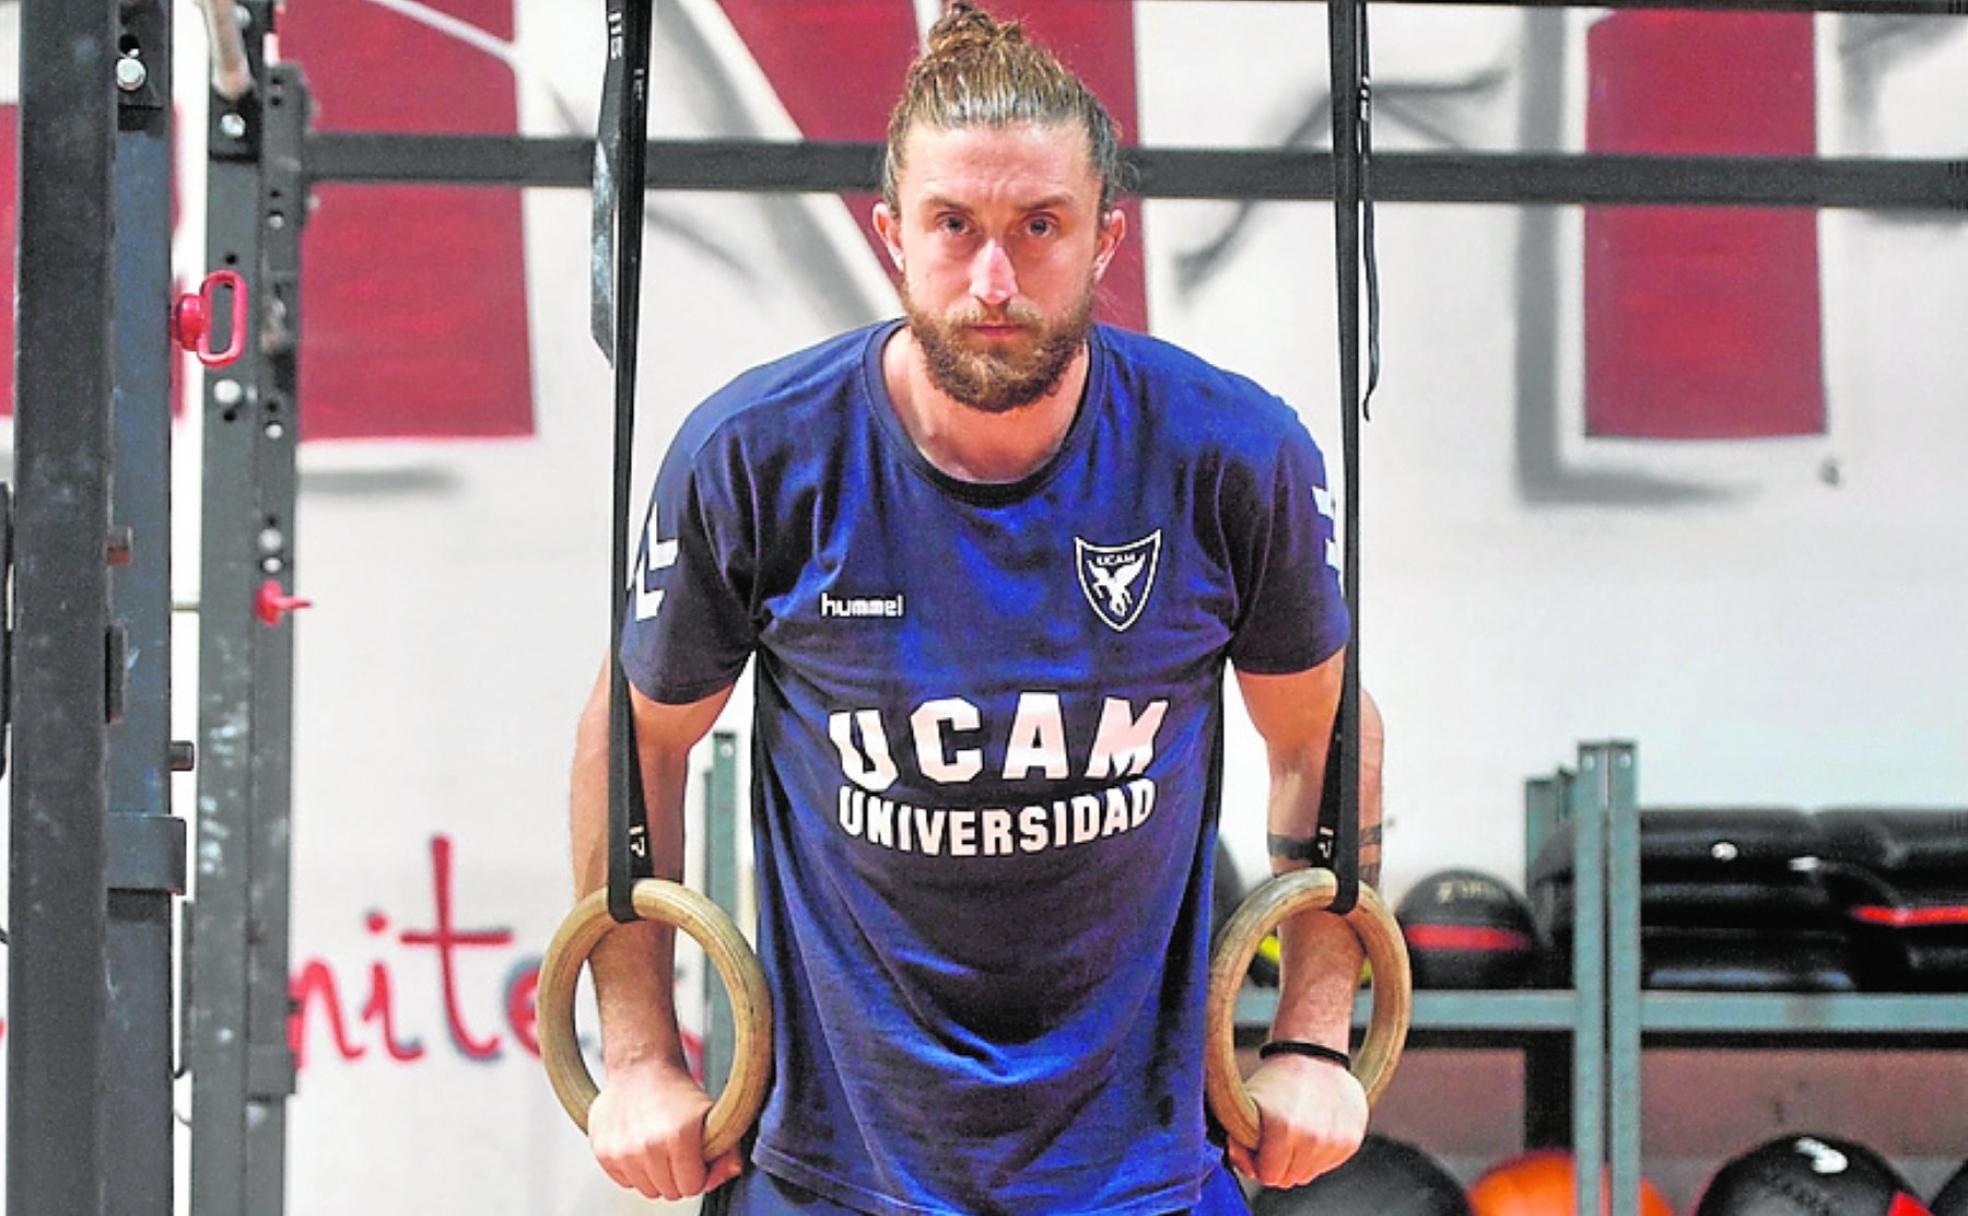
column 647, row 1130
column 1312, row 1115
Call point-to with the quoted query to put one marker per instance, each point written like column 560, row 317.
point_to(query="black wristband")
column 1299, row 1047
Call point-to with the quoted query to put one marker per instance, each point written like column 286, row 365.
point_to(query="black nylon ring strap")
column 1347, row 27
column 1367, row 220
column 621, row 149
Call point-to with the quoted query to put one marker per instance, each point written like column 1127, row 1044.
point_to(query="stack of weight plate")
column 1900, row 880
column 1729, row 902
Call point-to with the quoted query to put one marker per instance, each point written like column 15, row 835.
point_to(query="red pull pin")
column 271, row 604
column 191, row 319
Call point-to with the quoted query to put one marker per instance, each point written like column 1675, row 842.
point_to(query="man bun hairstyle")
column 979, row 72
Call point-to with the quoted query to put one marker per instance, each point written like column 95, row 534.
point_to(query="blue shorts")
column 757, row 1193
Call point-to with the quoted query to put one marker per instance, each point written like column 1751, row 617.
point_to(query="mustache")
column 1016, row 314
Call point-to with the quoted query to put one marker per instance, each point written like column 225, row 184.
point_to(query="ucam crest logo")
column 1117, row 578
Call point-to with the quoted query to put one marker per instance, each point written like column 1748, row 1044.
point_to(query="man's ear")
column 888, row 226
column 1113, row 229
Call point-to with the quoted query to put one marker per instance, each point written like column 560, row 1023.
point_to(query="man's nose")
column 992, row 280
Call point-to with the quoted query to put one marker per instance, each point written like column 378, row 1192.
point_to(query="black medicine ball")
column 1467, row 929
column 1953, row 1197
column 1809, row 1176
column 1385, row 1178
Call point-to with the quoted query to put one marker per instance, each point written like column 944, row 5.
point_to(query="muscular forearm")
column 1320, row 954
column 633, row 965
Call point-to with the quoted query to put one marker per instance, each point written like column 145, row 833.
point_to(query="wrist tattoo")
column 1314, row 849
column 1318, row 850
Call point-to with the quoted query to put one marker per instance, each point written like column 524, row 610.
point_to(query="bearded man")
column 991, row 561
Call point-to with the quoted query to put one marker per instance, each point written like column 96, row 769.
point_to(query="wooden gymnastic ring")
column 751, row 1004
column 1393, row 991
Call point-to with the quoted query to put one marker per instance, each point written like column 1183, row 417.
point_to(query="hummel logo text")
column 860, row 606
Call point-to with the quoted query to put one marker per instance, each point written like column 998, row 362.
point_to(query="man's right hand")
column 647, row 1130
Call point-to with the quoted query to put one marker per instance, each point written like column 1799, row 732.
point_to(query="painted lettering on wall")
column 479, row 1024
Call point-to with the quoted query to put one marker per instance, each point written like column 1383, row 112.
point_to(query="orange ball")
column 1541, row 1184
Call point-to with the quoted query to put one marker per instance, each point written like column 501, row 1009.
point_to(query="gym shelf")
column 1443, row 1016
column 1882, row 1020
column 1887, row 1020
column 1582, row 1044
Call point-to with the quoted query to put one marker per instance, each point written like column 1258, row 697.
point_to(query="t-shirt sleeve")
column 689, row 626
column 1293, row 612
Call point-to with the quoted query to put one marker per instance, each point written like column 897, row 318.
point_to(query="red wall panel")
column 1702, row 322
column 413, row 305
column 9, row 227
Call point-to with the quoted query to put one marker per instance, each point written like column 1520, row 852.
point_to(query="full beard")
column 998, row 381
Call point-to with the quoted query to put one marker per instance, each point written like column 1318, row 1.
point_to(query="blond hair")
column 978, row 72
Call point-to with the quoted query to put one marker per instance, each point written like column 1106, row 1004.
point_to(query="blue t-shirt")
column 987, row 756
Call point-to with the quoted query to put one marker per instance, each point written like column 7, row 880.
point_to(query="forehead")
column 1011, row 164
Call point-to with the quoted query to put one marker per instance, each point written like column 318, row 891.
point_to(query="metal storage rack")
column 1606, row 1021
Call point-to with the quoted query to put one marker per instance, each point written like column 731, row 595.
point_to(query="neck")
column 971, row 444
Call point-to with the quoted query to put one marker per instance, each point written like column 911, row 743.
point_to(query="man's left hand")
column 1312, row 1117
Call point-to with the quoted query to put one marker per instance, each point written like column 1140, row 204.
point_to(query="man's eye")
column 1042, row 227
column 951, row 225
